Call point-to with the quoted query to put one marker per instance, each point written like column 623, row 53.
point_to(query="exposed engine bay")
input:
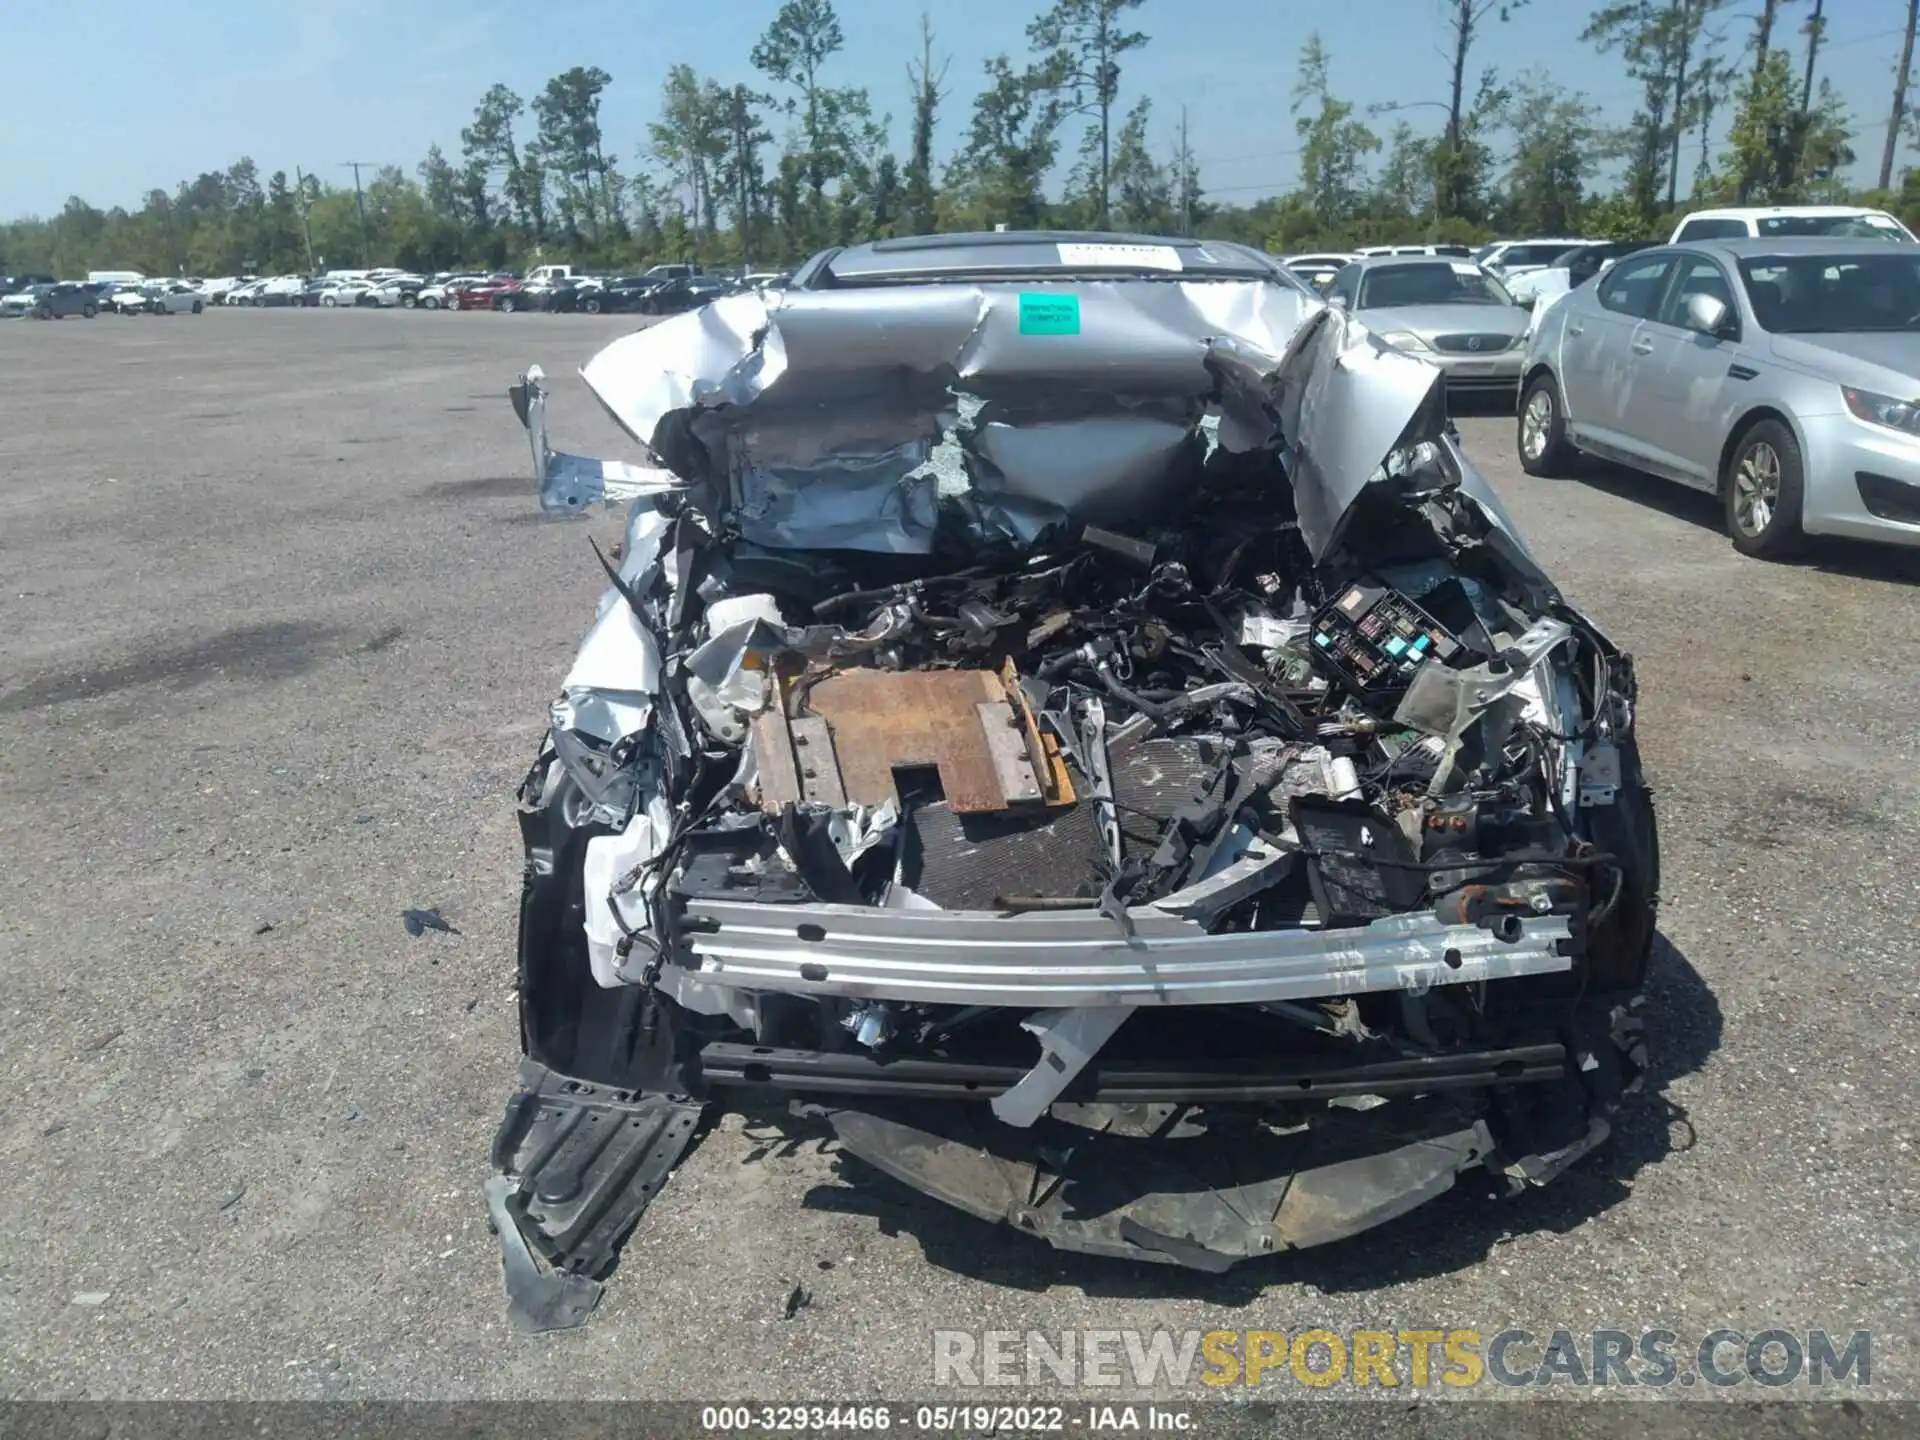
column 1189, row 827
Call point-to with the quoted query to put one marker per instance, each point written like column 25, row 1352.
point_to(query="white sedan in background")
column 158, row 297
column 440, row 294
column 395, row 290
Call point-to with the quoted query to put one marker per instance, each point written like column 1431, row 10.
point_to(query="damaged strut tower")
column 1132, row 780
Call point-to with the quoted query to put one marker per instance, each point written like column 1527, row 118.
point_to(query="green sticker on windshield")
column 1049, row 314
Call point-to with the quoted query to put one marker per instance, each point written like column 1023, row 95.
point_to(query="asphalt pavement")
column 279, row 618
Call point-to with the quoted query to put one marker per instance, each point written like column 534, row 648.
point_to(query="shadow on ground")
column 1859, row 559
column 1448, row 1234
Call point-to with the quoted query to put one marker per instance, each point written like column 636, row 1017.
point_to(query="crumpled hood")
column 813, row 417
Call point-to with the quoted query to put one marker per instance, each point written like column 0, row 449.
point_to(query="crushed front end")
column 1140, row 790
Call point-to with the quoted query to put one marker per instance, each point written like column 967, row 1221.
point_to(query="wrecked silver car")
column 1066, row 711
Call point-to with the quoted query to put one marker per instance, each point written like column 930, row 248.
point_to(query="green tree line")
column 1732, row 109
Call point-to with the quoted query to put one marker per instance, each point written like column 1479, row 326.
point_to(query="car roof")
column 1757, row 212
column 1747, row 248
column 1381, row 262
column 978, row 256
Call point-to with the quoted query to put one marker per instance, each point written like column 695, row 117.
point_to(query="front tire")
column 1541, row 429
column 591, row 305
column 89, row 311
column 407, row 302
column 328, row 301
column 506, row 306
column 429, row 302
column 1764, row 488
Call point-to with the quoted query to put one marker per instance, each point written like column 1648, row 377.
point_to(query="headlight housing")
column 1404, row 340
column 1875, row 409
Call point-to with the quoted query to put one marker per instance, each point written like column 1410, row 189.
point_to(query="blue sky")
column 138, row 93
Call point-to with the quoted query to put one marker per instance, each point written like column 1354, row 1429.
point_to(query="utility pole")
column 1816, row 28
column 306, row 222
column 1186, row 169
column 360, row 204
column 1899, row 115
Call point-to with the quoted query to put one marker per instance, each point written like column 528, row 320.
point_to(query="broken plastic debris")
column 418, row 922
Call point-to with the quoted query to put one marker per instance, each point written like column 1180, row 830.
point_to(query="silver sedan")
column 1450, row 313
column 1782, row 375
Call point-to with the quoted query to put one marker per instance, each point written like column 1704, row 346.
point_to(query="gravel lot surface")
column 281, row 617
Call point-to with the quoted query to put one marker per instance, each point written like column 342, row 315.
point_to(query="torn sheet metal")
column 576, row 482
column 819, row 415
column 725, row 680
column 1028, row 473
column 1068, row 1040
column 609, row 691
column 860, row 828
column 1337, row 403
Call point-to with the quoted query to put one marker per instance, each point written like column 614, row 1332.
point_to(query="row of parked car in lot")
column 1769, row 357
column 661, row 290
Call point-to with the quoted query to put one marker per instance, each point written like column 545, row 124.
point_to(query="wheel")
column 407, row 302
column 89, row 310
column 1763, row 487
column 45, row 312
column 328, row 301
column 591, row 305
column 507, row 305
column 196, row 307
column 429, row 302
column 1541, row 431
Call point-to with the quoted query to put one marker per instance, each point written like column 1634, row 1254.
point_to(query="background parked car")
column 281, row 290
column 1776, row 222
column 13, row 284
column 1368, row 252
column 1572, row 269
column 394, row 292
column 687, row 292
column 505, row 298
column 479, row 295
column 1318, row 268
column 619, row 295
column 1507, row 258
column 1779, row 374
column 439, row 292
column 131, row 299
column 1448, row 312
column 174, row 297
column 52, row 302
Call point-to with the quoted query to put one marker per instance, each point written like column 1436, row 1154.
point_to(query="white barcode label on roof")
column 1122, row 257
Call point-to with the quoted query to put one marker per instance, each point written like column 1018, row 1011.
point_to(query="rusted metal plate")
column 773, row 754
column 1008, row 747
column 884, row 719
column 815, row 753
